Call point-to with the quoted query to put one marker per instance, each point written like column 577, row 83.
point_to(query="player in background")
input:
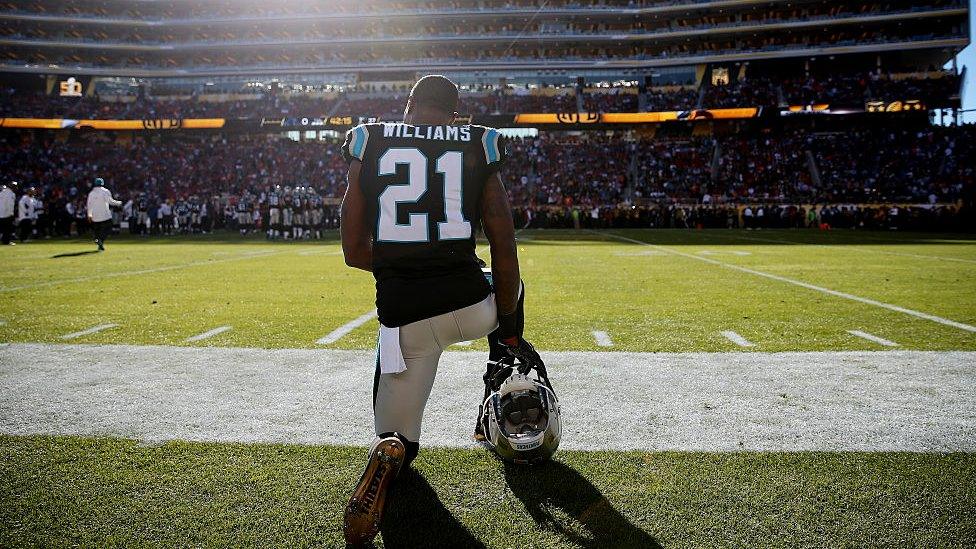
column 195, row 214
column 243, row 214
column 417, row 193
column 142, row 214
column 315, row 205
column 297, row 213
column 286, row 214
column 274, row 213
column 182, row 210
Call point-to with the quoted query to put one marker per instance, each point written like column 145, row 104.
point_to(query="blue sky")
column 967, row 57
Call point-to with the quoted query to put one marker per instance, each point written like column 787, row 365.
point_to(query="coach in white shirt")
column 8, row 205
column 100, row 204
column 25, row 214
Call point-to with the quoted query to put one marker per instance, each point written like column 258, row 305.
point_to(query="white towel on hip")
column 391, row 356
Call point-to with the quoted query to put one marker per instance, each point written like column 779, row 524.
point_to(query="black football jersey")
column 422, row 186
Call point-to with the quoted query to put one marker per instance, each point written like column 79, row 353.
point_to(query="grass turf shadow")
column 74, row 254
column 415, row 517
column 551, row 487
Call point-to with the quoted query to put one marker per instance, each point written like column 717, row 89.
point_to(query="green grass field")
column 676, row 292
column 288, row 295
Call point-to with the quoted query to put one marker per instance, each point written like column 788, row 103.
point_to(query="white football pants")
column 400, row 398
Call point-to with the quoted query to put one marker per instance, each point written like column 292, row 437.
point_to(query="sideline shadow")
column 74, row 254
column 415, row 517
column 554, row 486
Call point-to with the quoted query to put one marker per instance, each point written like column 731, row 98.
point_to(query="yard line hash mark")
column 208, row 334
column 737, row 339
column 872, row 337
column 89, row 331
column 341, row 331
column 602, row 339
column 828, row 291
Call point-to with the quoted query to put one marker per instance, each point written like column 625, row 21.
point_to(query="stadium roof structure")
column 195, row 38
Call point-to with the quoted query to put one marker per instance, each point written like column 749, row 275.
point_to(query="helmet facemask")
column 521, row 419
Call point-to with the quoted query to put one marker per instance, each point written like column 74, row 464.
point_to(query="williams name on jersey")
column 423, row 185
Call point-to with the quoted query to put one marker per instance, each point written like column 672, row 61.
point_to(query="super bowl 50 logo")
column 578, row 117
column 162, row 124
column 70, row 88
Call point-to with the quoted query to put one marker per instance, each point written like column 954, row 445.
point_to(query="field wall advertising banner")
column 151, row 124
column 577, row 120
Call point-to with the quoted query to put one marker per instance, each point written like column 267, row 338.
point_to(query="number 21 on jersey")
column 416, row 229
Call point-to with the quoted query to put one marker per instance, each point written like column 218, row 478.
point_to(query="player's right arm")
column 356, row 240
column 496, row 216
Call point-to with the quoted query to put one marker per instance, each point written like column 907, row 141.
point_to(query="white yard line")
column 644, row 253
column 89, row 331
column 835, row 293
column 134, row 273
column 463, row 343
column 208, row 334
column 872, row 337
column 715, row 402
column 341, row 331
column 602, row 339
column 737, row 339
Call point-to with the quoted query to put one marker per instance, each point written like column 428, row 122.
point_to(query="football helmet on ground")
column 519, row 418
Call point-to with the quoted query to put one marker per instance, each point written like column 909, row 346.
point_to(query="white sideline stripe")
column 852, row 248
column 133, row 273
column 89, row 331
column 844, row 295
column 321, row 252
column 341, row 331
column 463, row 343
column 250, row 253
column 883, row 400
column 602, row 339
column 737, row 339
column 208, row 334
column 872, row 337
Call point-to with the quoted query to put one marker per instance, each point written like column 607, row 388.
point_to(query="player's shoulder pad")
column 356, row 140
column 491, row 143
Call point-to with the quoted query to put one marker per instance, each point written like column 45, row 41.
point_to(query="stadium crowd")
column 554, row 179
column 841, row 89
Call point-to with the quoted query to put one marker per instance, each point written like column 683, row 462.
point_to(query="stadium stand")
column 833, row 102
